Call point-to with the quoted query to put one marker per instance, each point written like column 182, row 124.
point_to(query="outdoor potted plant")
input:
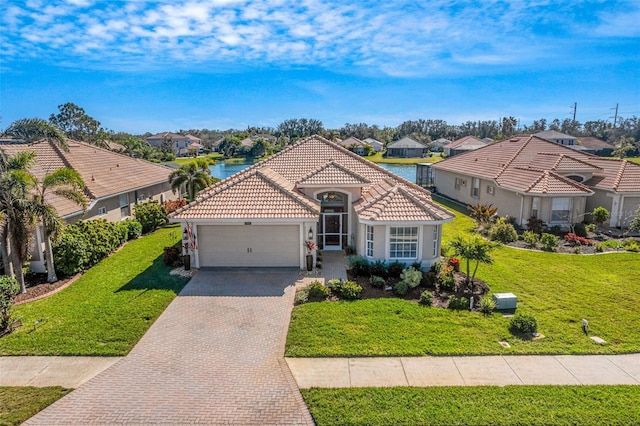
column 186, row 258
column 311, row 246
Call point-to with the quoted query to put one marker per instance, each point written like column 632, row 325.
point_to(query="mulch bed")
column 39, row 288
column 568, row 248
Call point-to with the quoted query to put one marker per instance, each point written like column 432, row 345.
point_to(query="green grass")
column 511, row 405
column 634, row 159
column 558, row 289
column 17, row 404
column 215, row 156
column 107, row 310
column 378, row 158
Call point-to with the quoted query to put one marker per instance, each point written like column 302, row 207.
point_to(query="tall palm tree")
column 34, row 130
column 195, row 176
column 16, row 186
column 66, row 183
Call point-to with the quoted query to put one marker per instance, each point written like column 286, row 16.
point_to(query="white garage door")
column 249, row 245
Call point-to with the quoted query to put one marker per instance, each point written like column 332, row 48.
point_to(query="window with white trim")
column 369, row 241
column 475, row 187
column 535, row 206
column 435, row 240
column 102, row 211
column 490, row 190
column 403, row 242
column 560, row 209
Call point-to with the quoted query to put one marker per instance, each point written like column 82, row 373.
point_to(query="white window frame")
column 491, row 190
column 566, row 215
column 369, row 244
column 407, row 239
column 102, row 211
column 475, row 187
column 535, row 207
column 436, row 234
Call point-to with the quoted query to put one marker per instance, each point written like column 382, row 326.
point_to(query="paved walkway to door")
column 215, row 356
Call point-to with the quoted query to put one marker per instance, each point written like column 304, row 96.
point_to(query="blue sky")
column 154, row 66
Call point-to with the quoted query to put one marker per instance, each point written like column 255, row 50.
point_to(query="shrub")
column 426, row 298
column 379, row 269
column 428, row 279
column 150, row 214
column 351, row 290
column 611, row 244
column 70, row 253
column 591, row 227
column 549, row 241
column 9, row 288
column 482, row 213
column 417, row 266
column 335, row 284
column 435, row 268
column 133, row 227
column 172, row 255
column 412, row 277
column 445, row 279
column 487, row 305
column 454, row 262
column 530, row 238
column 171, row 206
column 458, row 303
column 535, row 225
column 631, row 245
column 301, row 297
column 360, row 267
column 599, row 247
column 376, row 281
column 576, row 239
column 318, row 290
column 580, row 229
column 503, row 231
column 523, row 324
column 395, row 269
column 577, row 250
column 600, row 215
column 401, row 287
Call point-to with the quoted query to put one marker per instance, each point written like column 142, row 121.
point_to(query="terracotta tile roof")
column 465, row 141
column 105, row 173
column 516, row 162
column 268, row 189
column 551, row 183
column 390, row 201
column 332, row 173
column 351, row 141
column 594, row 143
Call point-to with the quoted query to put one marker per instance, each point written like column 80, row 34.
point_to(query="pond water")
column 223, row 170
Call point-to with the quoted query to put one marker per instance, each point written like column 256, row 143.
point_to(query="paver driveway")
column 215, row 356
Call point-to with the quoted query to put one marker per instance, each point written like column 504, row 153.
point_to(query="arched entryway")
column 333, row 228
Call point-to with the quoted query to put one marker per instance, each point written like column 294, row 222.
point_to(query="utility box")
column 505, row 301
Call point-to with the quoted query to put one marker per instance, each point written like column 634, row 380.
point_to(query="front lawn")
column 634, row 159
column 559, row 290
column 107, row 310
column 18, row 404
column 378, row 158
column 481, row 405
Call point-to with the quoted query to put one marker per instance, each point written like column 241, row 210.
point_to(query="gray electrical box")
column 505, row 301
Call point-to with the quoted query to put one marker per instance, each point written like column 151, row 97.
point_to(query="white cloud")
column 401, row 38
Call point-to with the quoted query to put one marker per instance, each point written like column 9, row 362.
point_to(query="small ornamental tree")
column 474, row 249
column 600, row 215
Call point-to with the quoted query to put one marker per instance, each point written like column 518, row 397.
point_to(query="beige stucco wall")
column 629, row 207
column 381, row 243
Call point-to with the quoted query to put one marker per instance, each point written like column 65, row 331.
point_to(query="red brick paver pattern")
column 215, row 356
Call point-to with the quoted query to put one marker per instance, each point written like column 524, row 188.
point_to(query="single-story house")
column 407, row 148
column 353, row 144
column 558, row 137
column 596, row 146
column 312, row 191
column 375, row 144
column 179, row 143
column 115, row 183
column 439, row 143
column 528, row 176
column 464, row 144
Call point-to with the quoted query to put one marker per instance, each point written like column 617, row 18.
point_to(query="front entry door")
column 332, row 231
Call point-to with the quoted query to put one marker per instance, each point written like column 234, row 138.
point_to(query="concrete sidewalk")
column 466, row 371
column 65, row 371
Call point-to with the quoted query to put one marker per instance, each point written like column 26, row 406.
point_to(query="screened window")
column 560, row 209
column 403, row 243
column 369, row 241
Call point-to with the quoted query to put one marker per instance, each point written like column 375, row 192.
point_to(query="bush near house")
column 503, row 231
column 150, row 214
column 549, row 241
column 9, row 289
column 523, row 324
column 350, row 290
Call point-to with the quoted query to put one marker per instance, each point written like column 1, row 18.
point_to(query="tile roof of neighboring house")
column 553, row 134
column 372, row 142
column 270, row 189
column 105, row 173
column 441, row 142
column 248, row 142
column 594, row 143
column 167, row 135
column 517, row 162
column 194, row 145
column 192, row 138
column 348, row 142
column 406, row 142
column 466, row 141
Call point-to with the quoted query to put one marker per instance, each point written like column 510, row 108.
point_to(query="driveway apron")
column 215, row 356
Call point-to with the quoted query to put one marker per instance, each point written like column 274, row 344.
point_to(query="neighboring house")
column 464, row 144
column 247, row 142
column 439, row 143
column 115, row 183
column 596, row 146
column 487, row 140
column 313, row 190
column 407, row 148
column 528, row 176
column 195, row 148
column 558, row 137
column 353, row 144
column 178, row 143
column 375, row 144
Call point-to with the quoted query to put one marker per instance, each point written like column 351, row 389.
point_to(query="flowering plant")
column 310, row 245
column 454, row 262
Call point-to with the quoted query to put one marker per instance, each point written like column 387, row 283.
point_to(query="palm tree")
column 195, row 176
column 66, row 183
column 16, row 184
column 474, row 249
column 34, row 130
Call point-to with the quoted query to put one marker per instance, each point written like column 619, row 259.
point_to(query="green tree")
column 600, row 215
column 34, row 130
column 194, row 176
column 77, row 125
column 65, row 183
column 635, row 223
column 472, row 249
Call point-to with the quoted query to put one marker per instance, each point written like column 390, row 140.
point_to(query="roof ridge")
column 288, row 192
column 544, row 173
column 621, row 170
column 512, row 159
column 415, row 199
column 337, row 165
column 68, row 164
